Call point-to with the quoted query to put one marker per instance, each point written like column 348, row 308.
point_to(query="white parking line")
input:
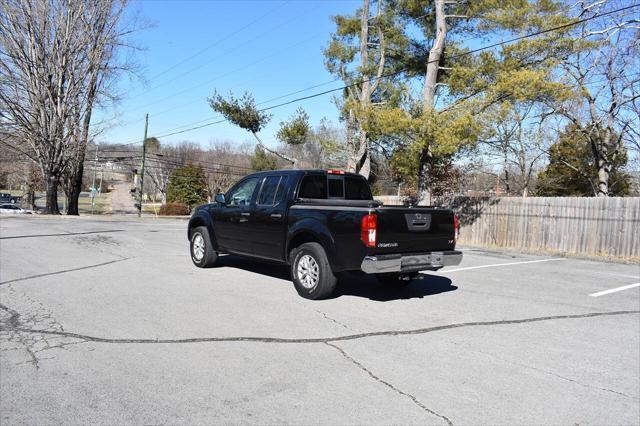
column 613, row 290
column 468, row 268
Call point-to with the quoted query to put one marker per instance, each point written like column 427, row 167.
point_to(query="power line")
column 217, row 42
column 234, row 71
column 175, row 157
column 231, row 50
column 395, row 73
column 178, row 162
column 286, row 95
column 207, row 165
column 156, row 114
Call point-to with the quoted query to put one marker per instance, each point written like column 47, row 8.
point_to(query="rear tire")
column 396, row 280
column 311, row 273
column 202, row 253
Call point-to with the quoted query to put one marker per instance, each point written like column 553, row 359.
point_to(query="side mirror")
column 219, row 198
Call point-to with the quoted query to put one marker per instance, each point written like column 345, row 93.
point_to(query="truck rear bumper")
column 386, row 263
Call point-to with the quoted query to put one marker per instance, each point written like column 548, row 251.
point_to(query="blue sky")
column 269, row 48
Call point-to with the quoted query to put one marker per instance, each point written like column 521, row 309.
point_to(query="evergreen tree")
column 419, row 43
column 187, row 185
column 261, row 160
column 573, row 171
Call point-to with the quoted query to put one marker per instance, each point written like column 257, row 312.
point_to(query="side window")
column 268, row 190
column 313, row 186
column 282, row 190
column 336, row 186
column 240, row 195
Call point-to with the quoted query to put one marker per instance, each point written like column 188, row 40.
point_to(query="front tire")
column 311, row 272
column 202, row 253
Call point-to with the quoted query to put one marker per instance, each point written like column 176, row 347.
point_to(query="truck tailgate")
column 414, row 229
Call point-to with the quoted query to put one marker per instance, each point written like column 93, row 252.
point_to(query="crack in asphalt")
column 29, row 342
column 67, row 234
column 14, row 315
column 389, row 385
column 551, row 373
column 317, row 340
column 64, row 271
column 327, row 317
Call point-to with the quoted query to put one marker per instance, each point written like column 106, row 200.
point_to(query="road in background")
column 121, row 200
column 107, row 321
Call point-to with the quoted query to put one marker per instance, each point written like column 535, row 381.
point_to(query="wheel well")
column 298, row 240
column 195, row 223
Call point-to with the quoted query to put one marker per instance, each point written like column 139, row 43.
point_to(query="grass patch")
column 14, row 192
column 151, row 207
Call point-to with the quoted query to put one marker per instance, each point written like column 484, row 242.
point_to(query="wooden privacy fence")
column 591, row 226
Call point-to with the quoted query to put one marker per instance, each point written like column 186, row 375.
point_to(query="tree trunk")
column 433, row 62
column 362, row 159
column 292, row 160
column 31, row 187
column 429, row 91
column 75, row 187
column 31, row 198
column 52, row 182
column 423, row 174
column 507, row 186
column 352, row 148
column 603, row 178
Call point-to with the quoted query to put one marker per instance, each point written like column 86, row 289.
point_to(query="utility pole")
column 144, row 154
column 93, row 184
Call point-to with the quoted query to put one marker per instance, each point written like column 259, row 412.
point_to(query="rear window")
column 356, row 189
column 331, row 186
column 336, row 186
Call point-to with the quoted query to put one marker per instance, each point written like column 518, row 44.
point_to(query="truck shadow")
column 353, row 285
column 368, row 287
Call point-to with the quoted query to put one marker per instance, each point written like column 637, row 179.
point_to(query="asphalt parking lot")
column 107, row 321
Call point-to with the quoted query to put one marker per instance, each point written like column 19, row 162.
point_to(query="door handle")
column 245, row 214
column 276, row 215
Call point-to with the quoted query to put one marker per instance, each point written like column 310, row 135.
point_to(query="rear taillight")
column 456, row 227
column 368, row 227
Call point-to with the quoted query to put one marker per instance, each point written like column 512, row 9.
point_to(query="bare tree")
column 605, row 78
column 159, row 164
column 519, row 144
column 325, row 147
column 225, row 164
column 57, row 56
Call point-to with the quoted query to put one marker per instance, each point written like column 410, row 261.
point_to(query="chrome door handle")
column 276, row 215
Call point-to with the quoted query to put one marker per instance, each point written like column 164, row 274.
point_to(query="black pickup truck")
column 322, row 222
column 5, row 197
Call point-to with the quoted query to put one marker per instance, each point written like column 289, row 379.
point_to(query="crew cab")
column 320, row 223
column 6, row 197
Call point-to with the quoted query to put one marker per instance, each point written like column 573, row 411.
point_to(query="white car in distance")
column 13, row 209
